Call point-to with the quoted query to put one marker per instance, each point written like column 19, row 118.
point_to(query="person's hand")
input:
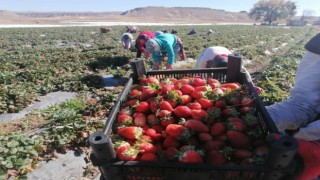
column 309, row 151
column 258, row 89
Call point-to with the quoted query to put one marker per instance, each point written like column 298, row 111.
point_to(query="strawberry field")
column 37, row 61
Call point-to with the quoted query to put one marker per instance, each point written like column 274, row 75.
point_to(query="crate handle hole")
column 279, row 166
column 97, row 138
column 284, row 156
column 287, row 143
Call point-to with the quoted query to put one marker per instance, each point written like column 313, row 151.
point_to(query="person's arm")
column 311, row 132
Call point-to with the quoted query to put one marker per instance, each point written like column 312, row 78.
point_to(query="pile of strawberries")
column 189, row 120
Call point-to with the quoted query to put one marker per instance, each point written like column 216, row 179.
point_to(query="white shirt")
column 209, row 53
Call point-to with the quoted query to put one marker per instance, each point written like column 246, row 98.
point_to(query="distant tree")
column 306, row 13
column 272, row 10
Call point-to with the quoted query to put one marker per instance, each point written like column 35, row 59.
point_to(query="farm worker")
column 193, row 31
column 126, row 40
column 132, row 29
column 214, row 56
column 141, row 41
column 300, row 112
column 165, row 43
column 158, row 33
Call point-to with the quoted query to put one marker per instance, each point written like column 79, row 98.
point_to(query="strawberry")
column 196, row 126
column 171, row 141
column 236, row 125
column 213, row 83
column 127, row 154
column 135, row 93
column 147, row 93
column 124, row 120
column 171, row 153
column 242, row 154
column 194, row 105
column 142, row 107
column 229, row 112
column 234, row 101
column 250, row 120
column 238, row 139
column 190, row 156
column 199, row 114
column 204, row 137
column 218, row 92
column 158, row 128
column 152, row 119
column 247, row 102
column 167, row 121
column 205, row 103
column 214, row 144
column 198, row 82
column 182, row 111
column 150, row 132
column 214, row 113
column 221, row 103
column 173, row 103
column 125, row 111
column 146, row 147
column 163, row 113
column 131, row 103
column 148, row 157
column 131, row 132
column 149, row 80
column 187, row 89
column 197, row 93
column 185, row 99
column 166, row 87
column 244, row 110
column 216, row 157
column 165, row 105
column 140, row 119
column 217, row 129
column 232, row 86
column 222, row 137
column 153, row 105
column 121, row 145
column 176, row 130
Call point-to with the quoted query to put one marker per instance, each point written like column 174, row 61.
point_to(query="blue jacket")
column 166, row 43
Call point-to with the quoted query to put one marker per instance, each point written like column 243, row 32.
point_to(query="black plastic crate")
column 279, row 165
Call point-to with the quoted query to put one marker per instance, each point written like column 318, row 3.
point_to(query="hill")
column 145, row 14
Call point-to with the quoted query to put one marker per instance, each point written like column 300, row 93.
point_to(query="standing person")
column 300, row 112
column 166, row 43
column 215, row 56
column 141, row 41
column 126, row 40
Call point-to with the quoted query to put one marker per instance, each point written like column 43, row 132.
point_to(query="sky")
column 124, row 5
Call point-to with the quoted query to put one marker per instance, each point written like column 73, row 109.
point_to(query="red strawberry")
column 229, row 112
column 244, row 110
column 150, row 80
column 165, row 105
column 182, row 111
column 163, row 114
column 124, row 120
column 121, row 145
column 194, row 105
column 127, row 154
column 221, row 103
column 187, row 89
column 135, row 93
column 191, row 156
column 217, row 129
column 153, row 105
column 199, row 114
column 140, row 119
column 204, row 137
column 171, row 153
column 238, row 139
column 146, row 147
column 131, row 132
column 233, row 86
column 151, row 132
column 196, row 126
column 148, row 157
column 242, row 154
column 217, row 91
column 213, row 83
column 142, row 107
column 153, row 119
column 214, row 144
column 196, row 94
column 167, row 121
column 158, row 128
column 198, row 82
column 147, row 93
column 131, row 103
column 167, row 87
column 234, row 101
column 185, row 99
column 173, row 103
column 216, row 157
column 236, row 125
column 176, row 130
column 205, row 103
column 170, row 141
column 247, row 102
column 125, row 111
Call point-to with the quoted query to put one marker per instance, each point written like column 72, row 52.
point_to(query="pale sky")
column 118, row 5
